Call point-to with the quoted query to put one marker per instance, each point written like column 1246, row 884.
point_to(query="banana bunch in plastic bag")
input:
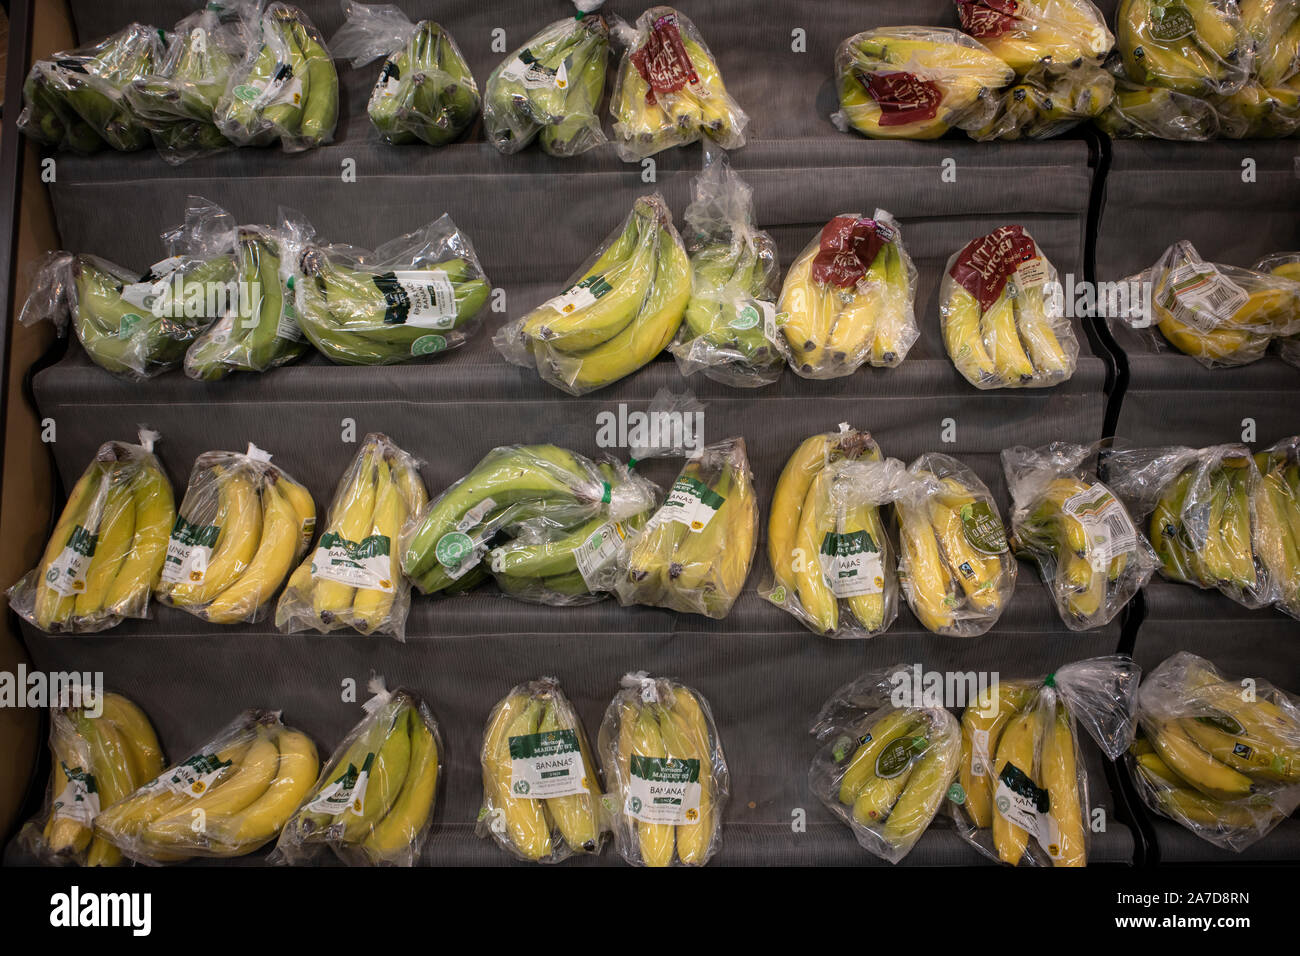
column 1049, row 100
column 1153, row 112
column 1027, row 34
column 1198, row 47
column 1287, row 266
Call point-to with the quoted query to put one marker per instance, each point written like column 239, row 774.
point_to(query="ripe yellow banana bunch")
column 956, row 568
column 106, row 553
column 1153, row 112
column 228, row 799
column 541, row 789
column 373, row 804
column 1001, row 326
column 1049, row 99
column 242, row 525
column 694, row 554
column 849, row 298
column 354, row 577
column 669, row 91
column 1194, row 46
column 95, row 762
column 667, row 777
column 1059, row 32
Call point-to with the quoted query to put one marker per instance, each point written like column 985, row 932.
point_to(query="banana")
column 50, row 608
column 259, row 821
column 576, row 815
column 371, row 606
column 963, row 339
column 525, row 823
column 114, row 534
column 351, row 519
column 1016, row 748
column 1044, row 347
column 811, row 586
column 695, row 840
column 981, row 730
column 928, row 582
column 138, row 735
column 657, row 841
column 270, row 563
column 138, row 575
column 411, row 811
column 1002, row 342
column 1212, row 778
column 1059, row 770
column 927, row 785
column 239, row 522
column 861, row 767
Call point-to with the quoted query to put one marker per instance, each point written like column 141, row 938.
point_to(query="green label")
column 453, row 548
column 848, row 543
column 428, row 345
column 983, row 528
column 1225, row 722
column 128, row 324
column 746, row 318
column 898, row 754
column 82, row 541
column 195, row 535
column 247, row 93
column 597, row 285
column 957, row 794
column 1171, row 22
column 665, row 769
column 374, row 546
column 546, row 744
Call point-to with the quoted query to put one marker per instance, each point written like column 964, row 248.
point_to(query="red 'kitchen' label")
column 662, row 60
column 987, row 18
column 985, row 264
column 903, row 97
column 847, row 248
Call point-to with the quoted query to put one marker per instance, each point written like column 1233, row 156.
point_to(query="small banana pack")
column 1138, row 111
column 100, row 751
column 1023, row 792
column 1025, row 35
column 669, row 90
column 619, row 311
column 242, row 526
column 425, row 91
column 849, row 298
column 353, row 578
column 1001, row 325
column 665, row 772
column 1217, row 754
column 885, row 762
column 1287, row 266
column 230, row 797
column 1198, row 47
column 541, row 787
column 105, row 555
column 1089, row 552
column 1048, row 100
column 373, row 804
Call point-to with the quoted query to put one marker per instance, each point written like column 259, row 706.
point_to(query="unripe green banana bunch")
column 425, row 91
column 373, row 804
column 1193, row 46
column 666, row 777
column 541, row 787
column 104, row 558
column 229, row 798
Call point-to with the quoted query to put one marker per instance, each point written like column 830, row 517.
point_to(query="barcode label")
column 1199, row 295
column 1109, row 528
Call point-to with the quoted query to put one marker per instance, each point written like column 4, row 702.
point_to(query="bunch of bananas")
column 228, row 799
column 353, row 578
column 849, row 298
column 669, row 91
column 549, row 90
column 425, row 91
column 1277, row 513
column 1032, row 32
column 1153, row 112
column 915, row 82
column 106, row 552
column 242, row 525
column 541, row 791
column 1048, row 100
column 95, row 762
column 373, row 804
column 667, row 776
column 621, row 311
column 826, row 542
column 695, row 552
column 956, row 568
column 1194, row 46
column 999, row 327
column 1287, row 266
column 1224, row 765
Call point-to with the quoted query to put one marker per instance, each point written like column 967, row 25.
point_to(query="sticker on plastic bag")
column 983, row 529
column 601, row 547
column 346, row 792
column 579, row 296
column 903, row 97
column 195, row 776
column 547, row 764
column 532, row 75
column 692, row 503
column 79, row 800
column 662, row 59
column 189, row 549
column 852, row 564
column 361, row 564
column 423, row 299
column 1105, row 521
column 985, row 264
column 664, row 790
column 67, row 573
column 1199, row 295
column 846, row 249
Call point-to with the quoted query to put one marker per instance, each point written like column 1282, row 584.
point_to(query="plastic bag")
column 418, row 294
column 955, row 565
column 849, row 298
column 105, row 555
column 1198, row 47
column 1025, row 35
column 666, row 778
column 669, row 91
column 227, row 799
column 1023, row 793
column 886, row 761
column 425, row 90
column 286, row 88
column 550, row 88
column 915, row 82
column 1088, row 551
column 729, row 328
column 101, row 749
column 1286, row 265
column 541, row 787
column 1153, row 112
column 616, row 313
column 373, row 803
column 1002, row 327
column 1218, row 755
column 353, row 578
column 1256, row 112
column 242, row 527
column 1049, row 100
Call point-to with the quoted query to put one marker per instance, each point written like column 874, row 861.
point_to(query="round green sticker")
column 247, row 93
column 127, row 325
column 957, row 794
column 452, row 548
column 896, row 756
column 746, row 318
column 428, row 344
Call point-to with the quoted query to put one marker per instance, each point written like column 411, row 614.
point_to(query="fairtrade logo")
column 1003, row 804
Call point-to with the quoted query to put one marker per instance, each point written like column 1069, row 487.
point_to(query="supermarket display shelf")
column 1175, row 844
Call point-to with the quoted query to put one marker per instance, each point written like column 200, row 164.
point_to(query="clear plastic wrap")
column 373, row 803
column 1026, row 34
column 243, row 525
column 849, row 299
column 418, row 294
column 666, row 778
column 1153, row 112
column 425, row 91
column 541, row 788
column 1088, row 551
column 100, row 751
column 104, row 557
column 1023, row 789
column 1257, row 112
column 916, row 82
column 955, row 566
column 1048, row 100
column 1217, row 754
column 1001, row 325
column 669, row 91
column 227, row 799
column 1197, row 46
column 616, row 313
column 1287, row 266
column 353, row 578
column 884, row 765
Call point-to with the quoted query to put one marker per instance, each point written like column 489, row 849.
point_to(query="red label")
column 846, row 250
column 662, row 60
column 903, row 97
column 985, row 264
column 987, row 18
